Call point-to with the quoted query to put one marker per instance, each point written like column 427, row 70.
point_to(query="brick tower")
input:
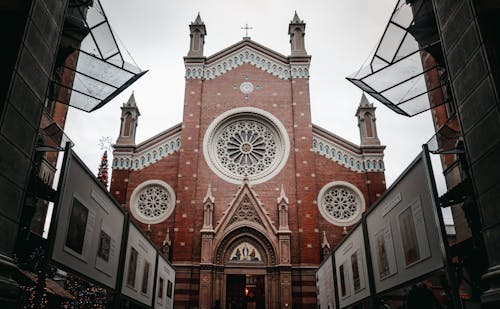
column 246, row 194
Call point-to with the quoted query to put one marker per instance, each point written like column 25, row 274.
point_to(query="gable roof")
column 247, row 51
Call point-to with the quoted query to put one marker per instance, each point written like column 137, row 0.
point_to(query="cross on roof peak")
column 246, row 28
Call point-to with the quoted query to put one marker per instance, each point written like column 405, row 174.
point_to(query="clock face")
column 246, row 145
column 246, row 87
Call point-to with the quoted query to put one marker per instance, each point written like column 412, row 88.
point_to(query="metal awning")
column 394, row 74
column 96, row 70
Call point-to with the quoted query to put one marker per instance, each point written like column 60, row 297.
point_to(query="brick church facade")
column 246, row 194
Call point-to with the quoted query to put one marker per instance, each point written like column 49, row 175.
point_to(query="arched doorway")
column 246, row 275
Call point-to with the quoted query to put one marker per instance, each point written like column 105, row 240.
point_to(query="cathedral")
column 246, row 195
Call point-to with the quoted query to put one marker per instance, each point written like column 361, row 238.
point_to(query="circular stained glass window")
column 341, row 203
column 152, row 202
column 247, row 144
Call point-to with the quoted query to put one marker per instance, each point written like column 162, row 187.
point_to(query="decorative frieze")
column 246, row 55
column 359, row 163
column 141, row 159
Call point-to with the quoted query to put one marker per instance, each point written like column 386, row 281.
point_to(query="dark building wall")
column 22, row 101
column 32, row 36
column 471, row 53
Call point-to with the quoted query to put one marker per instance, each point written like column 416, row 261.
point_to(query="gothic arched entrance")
column 245, row 273
column 245, row 260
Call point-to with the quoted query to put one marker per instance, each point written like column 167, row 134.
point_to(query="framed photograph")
column 169, row 288
column 104, row 246
column 409, row 236
column 77, row 226
column 356, row 277
column 132, row 267
column 383, row 260
column 161, row 283
column 343, row 281
column 145, row 277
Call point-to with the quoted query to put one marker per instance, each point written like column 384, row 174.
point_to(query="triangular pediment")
column 246, row 210
column 247, row 44
column 247, row 51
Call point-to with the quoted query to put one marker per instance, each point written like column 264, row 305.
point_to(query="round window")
column 246, row 142
column 341, row 203
column 152, row 201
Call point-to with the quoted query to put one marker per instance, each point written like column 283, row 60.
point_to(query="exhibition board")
column 351, row 268
column 404, row 229
column 165, row 284
column 87, row 230
column 139, row 267
column 325, row 287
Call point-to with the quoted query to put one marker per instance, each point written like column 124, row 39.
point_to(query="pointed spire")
column 130, row 115
column 198, row 20
column 282, row 196
column 367, row 122
column 297, row 30
column 325, row 242
column 364, row 101
column 197, row 32
column 167, row 241
column 209, row 196
column 296, row 19
column 131, row 101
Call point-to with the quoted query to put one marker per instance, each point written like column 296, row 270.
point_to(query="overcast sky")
column 340, row 35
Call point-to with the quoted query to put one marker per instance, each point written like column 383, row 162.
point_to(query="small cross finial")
column 246, row 28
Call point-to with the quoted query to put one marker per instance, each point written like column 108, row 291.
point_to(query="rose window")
column 246, row 147
column 152, row 201
column 246, row 142
column 341, row 203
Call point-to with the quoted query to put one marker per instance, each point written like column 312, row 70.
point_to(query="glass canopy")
column 395, row 74
column 98, row 70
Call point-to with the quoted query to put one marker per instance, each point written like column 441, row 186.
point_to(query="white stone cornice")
column 358, row 162
column 145, row 157
column 244, row 55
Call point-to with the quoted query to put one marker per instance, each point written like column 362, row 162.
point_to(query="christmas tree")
column 102, row 175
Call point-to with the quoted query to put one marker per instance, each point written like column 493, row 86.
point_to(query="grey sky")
column 340, row 34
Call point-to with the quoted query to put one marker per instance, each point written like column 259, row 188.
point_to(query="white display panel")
column 404, row 233
column 165, row 285
column 89, row 226
column 351, row 270
column 139, row 267
column 324, row 285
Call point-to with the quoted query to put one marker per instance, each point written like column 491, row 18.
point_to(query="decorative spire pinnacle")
column 297, row 30
column 167, row 241
column 209, row 196
column 296, row 19
column 325, row 243
column 282, row 196
column 367, row 122
column 198, row 20
column 364, row 101
column 131, row 101
column 197, row 32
